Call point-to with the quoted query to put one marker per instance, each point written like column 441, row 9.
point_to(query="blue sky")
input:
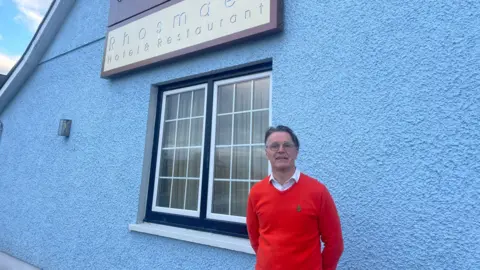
column 19, row 20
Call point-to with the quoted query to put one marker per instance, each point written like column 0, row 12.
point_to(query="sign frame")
column 123, row 10
column 275, row 25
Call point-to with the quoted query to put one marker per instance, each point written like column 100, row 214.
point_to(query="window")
column 180, row 151
column 209, row 149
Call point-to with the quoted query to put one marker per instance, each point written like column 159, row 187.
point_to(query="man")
column 289, row 213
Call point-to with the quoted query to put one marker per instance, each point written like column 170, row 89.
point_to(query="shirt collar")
column 295, row 176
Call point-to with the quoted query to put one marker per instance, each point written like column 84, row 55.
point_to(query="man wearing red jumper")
column 289, row 213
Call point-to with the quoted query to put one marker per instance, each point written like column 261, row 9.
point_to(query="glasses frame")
column 285, row 145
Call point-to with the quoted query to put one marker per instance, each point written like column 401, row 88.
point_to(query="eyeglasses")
column 275, row 146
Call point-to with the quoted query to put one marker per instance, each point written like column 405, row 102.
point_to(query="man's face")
column 281, row 151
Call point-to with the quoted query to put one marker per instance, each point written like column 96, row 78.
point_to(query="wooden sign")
column 182, row 27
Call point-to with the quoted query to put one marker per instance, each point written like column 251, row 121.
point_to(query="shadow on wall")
column 8, row 262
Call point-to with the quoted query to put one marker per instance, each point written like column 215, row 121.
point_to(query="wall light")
column 64, row 127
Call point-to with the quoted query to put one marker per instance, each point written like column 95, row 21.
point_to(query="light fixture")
column 64, row 127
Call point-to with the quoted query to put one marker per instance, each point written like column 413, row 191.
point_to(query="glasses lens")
column 287, row 145
column 274, row 146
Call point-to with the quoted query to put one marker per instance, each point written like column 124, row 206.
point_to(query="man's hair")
column 281, row 128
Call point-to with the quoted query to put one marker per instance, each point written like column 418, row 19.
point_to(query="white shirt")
column 288, row 184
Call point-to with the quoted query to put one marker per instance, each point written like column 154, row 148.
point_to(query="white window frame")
column 268, row 74
column 183, row 212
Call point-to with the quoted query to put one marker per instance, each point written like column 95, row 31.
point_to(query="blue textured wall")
column 384, row 97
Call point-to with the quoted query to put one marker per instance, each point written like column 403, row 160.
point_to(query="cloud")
column 31, row 12
column 7, row 62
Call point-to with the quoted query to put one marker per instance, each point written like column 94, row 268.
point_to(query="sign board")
column 182, row 27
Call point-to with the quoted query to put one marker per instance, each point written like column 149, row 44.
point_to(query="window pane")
column 222, row 162
column 225, row 99
column 178, row 193
column 192, row 195
column 163, row 192
column 196, row 133
column 261, row 97
column 180, row 162
column 194, row 162
column 185, row 105
column 240, row 162
column 221, row 191
column 223, row 135
column 260, row 126
column 169, row 134
column 198, row 102
column 171, row 105
column 259, row 163
column 166, row 163
column 182, row 132
column 241, row 129
column 252, row 183
column 243, row 96
column 239, row 198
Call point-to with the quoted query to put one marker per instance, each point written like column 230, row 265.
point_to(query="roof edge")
column 32, row 56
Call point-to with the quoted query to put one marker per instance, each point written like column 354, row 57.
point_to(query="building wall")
column 384, row 97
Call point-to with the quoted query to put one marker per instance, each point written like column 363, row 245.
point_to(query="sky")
column 19, row 19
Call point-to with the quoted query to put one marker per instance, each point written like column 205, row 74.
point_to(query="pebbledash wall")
column 384, row 96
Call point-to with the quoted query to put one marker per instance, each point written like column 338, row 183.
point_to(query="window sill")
column 203, row 238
